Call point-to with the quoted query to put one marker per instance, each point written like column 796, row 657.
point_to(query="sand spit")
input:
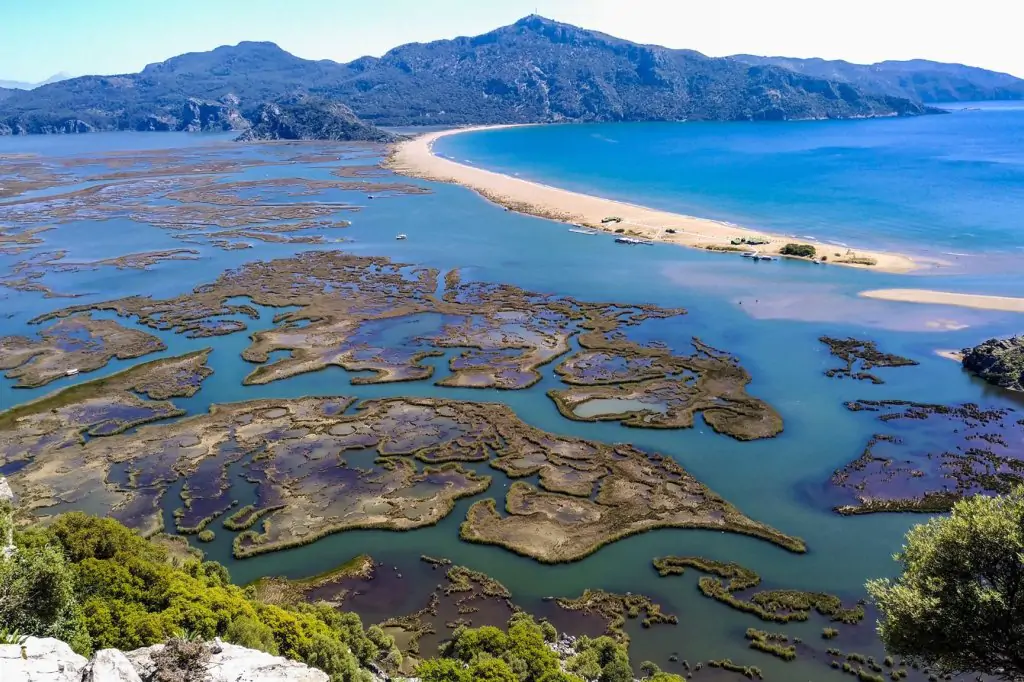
column 979, row 301
column 416, row 158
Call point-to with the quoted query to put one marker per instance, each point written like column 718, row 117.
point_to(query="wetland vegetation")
column 965, row 450
column 861, row 356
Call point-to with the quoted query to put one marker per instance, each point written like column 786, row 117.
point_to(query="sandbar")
column 980, row 301
column 416, row 158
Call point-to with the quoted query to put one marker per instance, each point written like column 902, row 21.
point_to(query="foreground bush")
column 96, row 584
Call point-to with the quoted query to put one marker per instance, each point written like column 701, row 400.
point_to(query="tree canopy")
column 96, row 584
column 959, row 604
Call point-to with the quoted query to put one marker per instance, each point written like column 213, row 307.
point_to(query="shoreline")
column 1008, row 304
column 416, row 158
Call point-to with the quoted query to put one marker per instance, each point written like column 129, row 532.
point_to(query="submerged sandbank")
column 416, row 158
column 980, row 301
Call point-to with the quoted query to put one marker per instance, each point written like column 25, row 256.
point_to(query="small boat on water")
column 401, row 236
column 71, row 372
column 632, row 241
column 581, row 231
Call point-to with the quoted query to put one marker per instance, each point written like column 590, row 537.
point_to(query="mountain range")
column 918, row 79
column 535, row 70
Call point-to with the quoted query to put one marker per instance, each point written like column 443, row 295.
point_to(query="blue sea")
column 936, row 185
column 951, row 186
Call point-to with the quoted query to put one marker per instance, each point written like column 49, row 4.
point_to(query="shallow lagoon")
column 768, row 314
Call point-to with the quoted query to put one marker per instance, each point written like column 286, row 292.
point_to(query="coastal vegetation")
column 798, row 250
column 861, row 356
column 778, row 606
column 96, row 584
column 966, row 573
column 932, row 456
column 616, row 608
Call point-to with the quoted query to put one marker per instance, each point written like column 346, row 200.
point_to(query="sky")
column 41, row 37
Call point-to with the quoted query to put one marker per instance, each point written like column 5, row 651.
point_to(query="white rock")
column 142, row 660
column 238, row 664
column 6, row 494
column 110, row 665
column 40, row 660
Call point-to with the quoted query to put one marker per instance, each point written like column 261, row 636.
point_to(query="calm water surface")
column 872, row 182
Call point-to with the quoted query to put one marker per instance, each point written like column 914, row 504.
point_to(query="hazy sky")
column 41, row 37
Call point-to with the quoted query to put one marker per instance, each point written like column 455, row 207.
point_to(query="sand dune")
column 1007, row 303
column 415, row 157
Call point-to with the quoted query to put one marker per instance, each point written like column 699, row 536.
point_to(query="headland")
column 416, row 158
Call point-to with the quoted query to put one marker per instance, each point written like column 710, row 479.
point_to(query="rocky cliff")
column 308, row 118
column 998, row 361
column 51, row 660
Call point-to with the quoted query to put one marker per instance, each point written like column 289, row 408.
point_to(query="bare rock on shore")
column 51, row 660
column 998, row 361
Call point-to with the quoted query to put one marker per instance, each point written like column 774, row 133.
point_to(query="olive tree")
column 959, row 605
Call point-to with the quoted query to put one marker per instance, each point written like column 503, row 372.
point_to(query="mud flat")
column 347, row 304
column 47, row 441
column 616, row 386
column 394, row 464
column 415, row 158
column 76, row 343
column 861, row 356
column 925, row 457
column 190, row 194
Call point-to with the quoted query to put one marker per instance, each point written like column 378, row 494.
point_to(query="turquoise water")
column 936, row 185
column 768, row 314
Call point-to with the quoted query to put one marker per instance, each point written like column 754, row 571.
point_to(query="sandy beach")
column 416, row 158
column 1005, row 303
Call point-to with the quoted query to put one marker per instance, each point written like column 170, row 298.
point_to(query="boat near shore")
column 633, row 241
column 582, row 231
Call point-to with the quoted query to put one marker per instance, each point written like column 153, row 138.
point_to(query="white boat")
column 71, row 372
column 631, row 241
column 581, row 231
column 401, row 236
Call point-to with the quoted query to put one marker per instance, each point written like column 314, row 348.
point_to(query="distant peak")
column 537, row 21
column 254, row 45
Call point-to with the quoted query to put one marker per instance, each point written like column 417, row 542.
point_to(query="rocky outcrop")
column 310, row 118
column 110, row 665
column 998, row 361
column 51, row 660
column 41, row 660
column 199, row 116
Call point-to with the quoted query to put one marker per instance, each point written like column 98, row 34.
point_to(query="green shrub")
column 801, row 250
column 206, row 536
column 252, row 634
